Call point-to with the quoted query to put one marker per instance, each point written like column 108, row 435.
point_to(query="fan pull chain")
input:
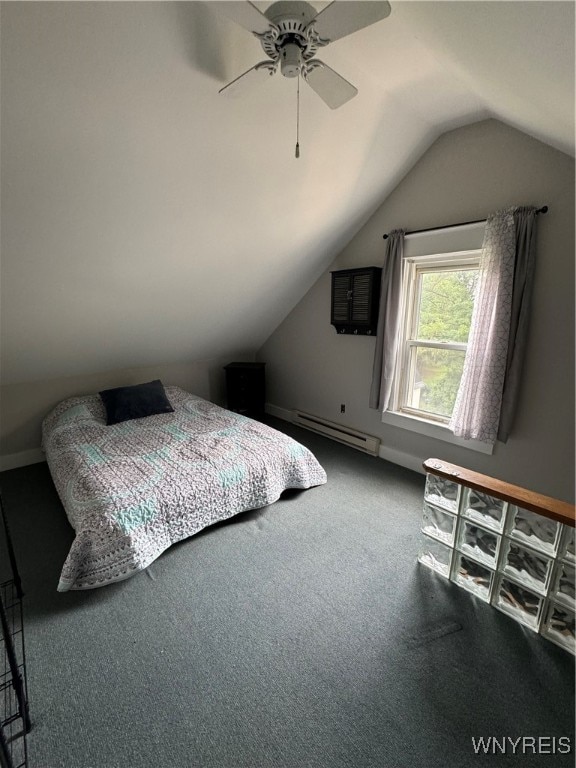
column 298, row 118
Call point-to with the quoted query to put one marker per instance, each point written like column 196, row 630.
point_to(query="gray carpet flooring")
column 302, row 635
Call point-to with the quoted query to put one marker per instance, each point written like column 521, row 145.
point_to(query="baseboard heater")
column 347, row 435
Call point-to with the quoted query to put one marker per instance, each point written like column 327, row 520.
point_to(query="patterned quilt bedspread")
column 132, row 489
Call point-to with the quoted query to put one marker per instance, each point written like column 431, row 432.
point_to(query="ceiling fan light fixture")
column 291, row 60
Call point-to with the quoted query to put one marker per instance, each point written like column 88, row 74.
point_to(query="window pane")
column 446, row 301
column 434, row 379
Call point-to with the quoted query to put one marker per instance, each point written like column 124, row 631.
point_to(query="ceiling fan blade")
column 332, row 88
column 342, row 18
column 245, row 14
column 260, row 72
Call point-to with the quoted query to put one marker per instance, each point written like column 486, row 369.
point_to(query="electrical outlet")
column 342, row 408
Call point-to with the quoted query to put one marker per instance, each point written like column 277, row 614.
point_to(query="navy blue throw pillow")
column 136, row 402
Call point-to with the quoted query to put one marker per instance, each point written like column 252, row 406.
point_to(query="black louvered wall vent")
column 355, row 300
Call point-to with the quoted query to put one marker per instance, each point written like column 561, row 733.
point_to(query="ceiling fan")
column 291, row 32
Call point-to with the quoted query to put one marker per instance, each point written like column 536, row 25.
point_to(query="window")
column 438, row 298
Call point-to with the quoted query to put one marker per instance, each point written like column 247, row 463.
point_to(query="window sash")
column 414, row 268
column 460, row 346
column 410, row 380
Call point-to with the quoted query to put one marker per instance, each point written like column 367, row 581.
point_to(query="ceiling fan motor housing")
column 291, row 15
column 290, row 42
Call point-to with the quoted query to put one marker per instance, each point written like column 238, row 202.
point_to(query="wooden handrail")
column 535, row 502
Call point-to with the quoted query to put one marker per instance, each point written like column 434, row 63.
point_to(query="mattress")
column 133, row 489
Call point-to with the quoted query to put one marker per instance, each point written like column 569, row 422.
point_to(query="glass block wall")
column 520, row 562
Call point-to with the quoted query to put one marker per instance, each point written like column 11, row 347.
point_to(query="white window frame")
column 399, row 414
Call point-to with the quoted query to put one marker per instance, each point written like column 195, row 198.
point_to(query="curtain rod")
column 544, row 209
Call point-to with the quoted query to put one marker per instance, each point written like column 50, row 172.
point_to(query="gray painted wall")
column 465, row 175
column 147, row 219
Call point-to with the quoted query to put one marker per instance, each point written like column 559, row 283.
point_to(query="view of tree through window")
column 446, row 299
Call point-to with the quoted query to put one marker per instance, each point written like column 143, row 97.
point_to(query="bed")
column 132, row 489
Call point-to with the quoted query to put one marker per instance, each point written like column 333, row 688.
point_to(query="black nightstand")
column 246, row 389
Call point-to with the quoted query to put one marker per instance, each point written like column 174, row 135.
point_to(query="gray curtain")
column 498, row 328
column 388, row 319
column 525, row 223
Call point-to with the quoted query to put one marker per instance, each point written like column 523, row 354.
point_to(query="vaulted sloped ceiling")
column 146, row 219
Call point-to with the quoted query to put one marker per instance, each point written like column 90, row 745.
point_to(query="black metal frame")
column 14, row 714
